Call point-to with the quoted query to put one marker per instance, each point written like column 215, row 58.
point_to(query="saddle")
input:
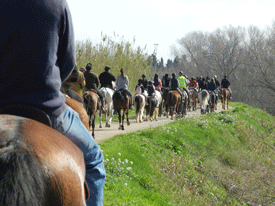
column 27, row 112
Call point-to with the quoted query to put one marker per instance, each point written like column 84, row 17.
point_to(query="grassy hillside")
column 215, row 159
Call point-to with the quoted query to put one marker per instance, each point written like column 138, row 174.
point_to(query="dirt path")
column 108, row 132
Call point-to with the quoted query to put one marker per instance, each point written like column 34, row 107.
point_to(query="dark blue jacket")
column 212, row 86
column 37, row 53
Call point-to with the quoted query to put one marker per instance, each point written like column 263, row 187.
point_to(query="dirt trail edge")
column 108, row 132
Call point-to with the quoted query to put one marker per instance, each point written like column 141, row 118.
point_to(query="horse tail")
column 22, row 179
column 170, row 96
column 138, row 100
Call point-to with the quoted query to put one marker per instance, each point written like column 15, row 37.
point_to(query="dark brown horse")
column 92, row 104
column 121, row 101
column 172, row 102
column 225, row 97
column 39, row 166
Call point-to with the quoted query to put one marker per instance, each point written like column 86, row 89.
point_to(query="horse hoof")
column 100, row 126
column 128, row 123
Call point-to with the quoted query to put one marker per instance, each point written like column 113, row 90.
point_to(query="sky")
column 163, row 22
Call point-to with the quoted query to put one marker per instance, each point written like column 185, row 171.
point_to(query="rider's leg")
column 131, row 105
column 102, row 100
column 187, row 95
column 230, row 93
column 69, row 124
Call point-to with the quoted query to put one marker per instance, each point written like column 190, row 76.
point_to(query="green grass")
column 215, row 159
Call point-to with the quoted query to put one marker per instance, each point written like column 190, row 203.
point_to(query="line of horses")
column 30, row 152
column 149, row 108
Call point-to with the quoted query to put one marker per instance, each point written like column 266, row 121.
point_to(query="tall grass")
column 117, row 53
column 215, row 159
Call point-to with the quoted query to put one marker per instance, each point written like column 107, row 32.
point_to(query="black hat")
column 107, row 68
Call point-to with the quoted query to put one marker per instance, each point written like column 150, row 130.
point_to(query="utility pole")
column 155, row 54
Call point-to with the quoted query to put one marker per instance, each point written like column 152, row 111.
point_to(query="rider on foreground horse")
column 40, row 40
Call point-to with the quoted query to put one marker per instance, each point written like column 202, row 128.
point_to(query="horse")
column 39, row 166
column 92, row 104
column 107, row 93
column 225, row 97
column 158, row 109
column 173, row 102
column 122, row 100
column 203, row 99
column 193, row 99
column 165, row 91
column 212, row 101
column 150, row 107
column 139, row 101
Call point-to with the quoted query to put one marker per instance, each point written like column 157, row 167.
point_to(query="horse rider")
column 151, row 90
column 44, row 48
column 122, row 82
column 144, row 81
column 226, row 84
column 157, row 83
column 92, row 83
column 66, row 87
column 106, row 78
column 212, row 87
column 79, row 85
column 182, row 82
column 217, row 82
column 194, row 84
column 140, row 89
column 204, row 85
column 165, row 81
column 175, row 85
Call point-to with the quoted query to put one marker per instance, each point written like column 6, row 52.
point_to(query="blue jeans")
column 69, row 124
column 128, row 92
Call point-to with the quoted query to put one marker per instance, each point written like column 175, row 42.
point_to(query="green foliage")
column 215, row 159
column 117, row 53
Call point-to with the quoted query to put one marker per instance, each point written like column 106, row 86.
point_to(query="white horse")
column 139, row 101
column 204, row 99
column 107, row 94
column 159, row 105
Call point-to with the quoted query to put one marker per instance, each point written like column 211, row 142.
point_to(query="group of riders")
column 88, row 80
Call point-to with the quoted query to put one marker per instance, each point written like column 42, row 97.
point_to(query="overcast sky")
column 162, row 22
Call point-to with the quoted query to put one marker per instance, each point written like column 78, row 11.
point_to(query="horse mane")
column 22, row 179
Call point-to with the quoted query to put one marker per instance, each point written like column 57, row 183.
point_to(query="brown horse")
column 121, row 101
column 172, row 102
column 92, row 104
column 225, row 97
column 39, row 166
column 193, row 99
column 78, row 107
